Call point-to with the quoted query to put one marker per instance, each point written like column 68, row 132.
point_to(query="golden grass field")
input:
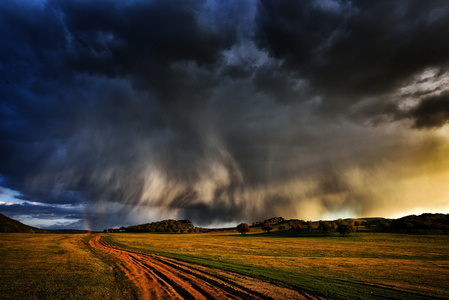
column 365, row 265
column 362, row 266
column 56, row 266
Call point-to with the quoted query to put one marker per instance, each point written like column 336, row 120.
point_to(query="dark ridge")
column 10, row 225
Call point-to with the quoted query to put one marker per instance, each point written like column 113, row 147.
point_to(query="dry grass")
column 365, row 265
column 55, row 266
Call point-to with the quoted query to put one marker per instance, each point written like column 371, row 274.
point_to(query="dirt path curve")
column 159, row 277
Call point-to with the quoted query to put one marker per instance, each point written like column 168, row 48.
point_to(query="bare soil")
column 159, row 277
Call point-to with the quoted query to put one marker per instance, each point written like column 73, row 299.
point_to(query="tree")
column 309, row 226
column 385, row 225
column 243, row 228
column 325, row 226
column 282, row 227
column 296, row 225
column 357, row 224
column 345, row 229
column 366, row 224
column 409, row 226
column 266, row 227
column 340, row 222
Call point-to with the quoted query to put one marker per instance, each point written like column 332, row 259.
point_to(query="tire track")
column 159, row 277
column 223, row 283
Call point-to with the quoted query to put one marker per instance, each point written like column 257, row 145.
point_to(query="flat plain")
column 365, row 265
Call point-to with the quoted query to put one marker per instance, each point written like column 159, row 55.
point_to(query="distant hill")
column 10, row 225
column 172, row 226
column 275, row 220
column 425, row 223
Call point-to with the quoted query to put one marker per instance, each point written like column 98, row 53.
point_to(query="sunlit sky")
column 115, row 113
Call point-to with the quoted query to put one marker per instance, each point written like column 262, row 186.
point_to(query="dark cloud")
column 354, row 49
column 217, row 111
column 431, row 112
column 42, row 211
column 143, row 40
column 45, row 216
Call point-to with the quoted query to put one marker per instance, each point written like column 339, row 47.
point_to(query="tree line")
column 341, row 226
column 425, row 223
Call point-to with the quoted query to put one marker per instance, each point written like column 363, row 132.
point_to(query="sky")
column 116, row 113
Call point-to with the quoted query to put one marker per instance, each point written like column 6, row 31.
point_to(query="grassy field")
column 57, row 266
column 362, row 266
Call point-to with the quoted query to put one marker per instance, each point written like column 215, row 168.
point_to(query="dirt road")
column 159, row 277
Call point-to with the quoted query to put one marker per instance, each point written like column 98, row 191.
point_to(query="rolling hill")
column 10, row 225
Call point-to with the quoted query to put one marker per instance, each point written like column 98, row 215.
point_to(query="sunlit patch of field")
column 364, row 265
column 56, row 266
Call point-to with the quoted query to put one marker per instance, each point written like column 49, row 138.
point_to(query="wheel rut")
column 158, row 277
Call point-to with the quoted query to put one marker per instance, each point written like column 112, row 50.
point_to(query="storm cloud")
column 221, row 112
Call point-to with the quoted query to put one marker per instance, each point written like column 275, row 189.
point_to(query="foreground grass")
column 362, row 266
column 57, row 266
